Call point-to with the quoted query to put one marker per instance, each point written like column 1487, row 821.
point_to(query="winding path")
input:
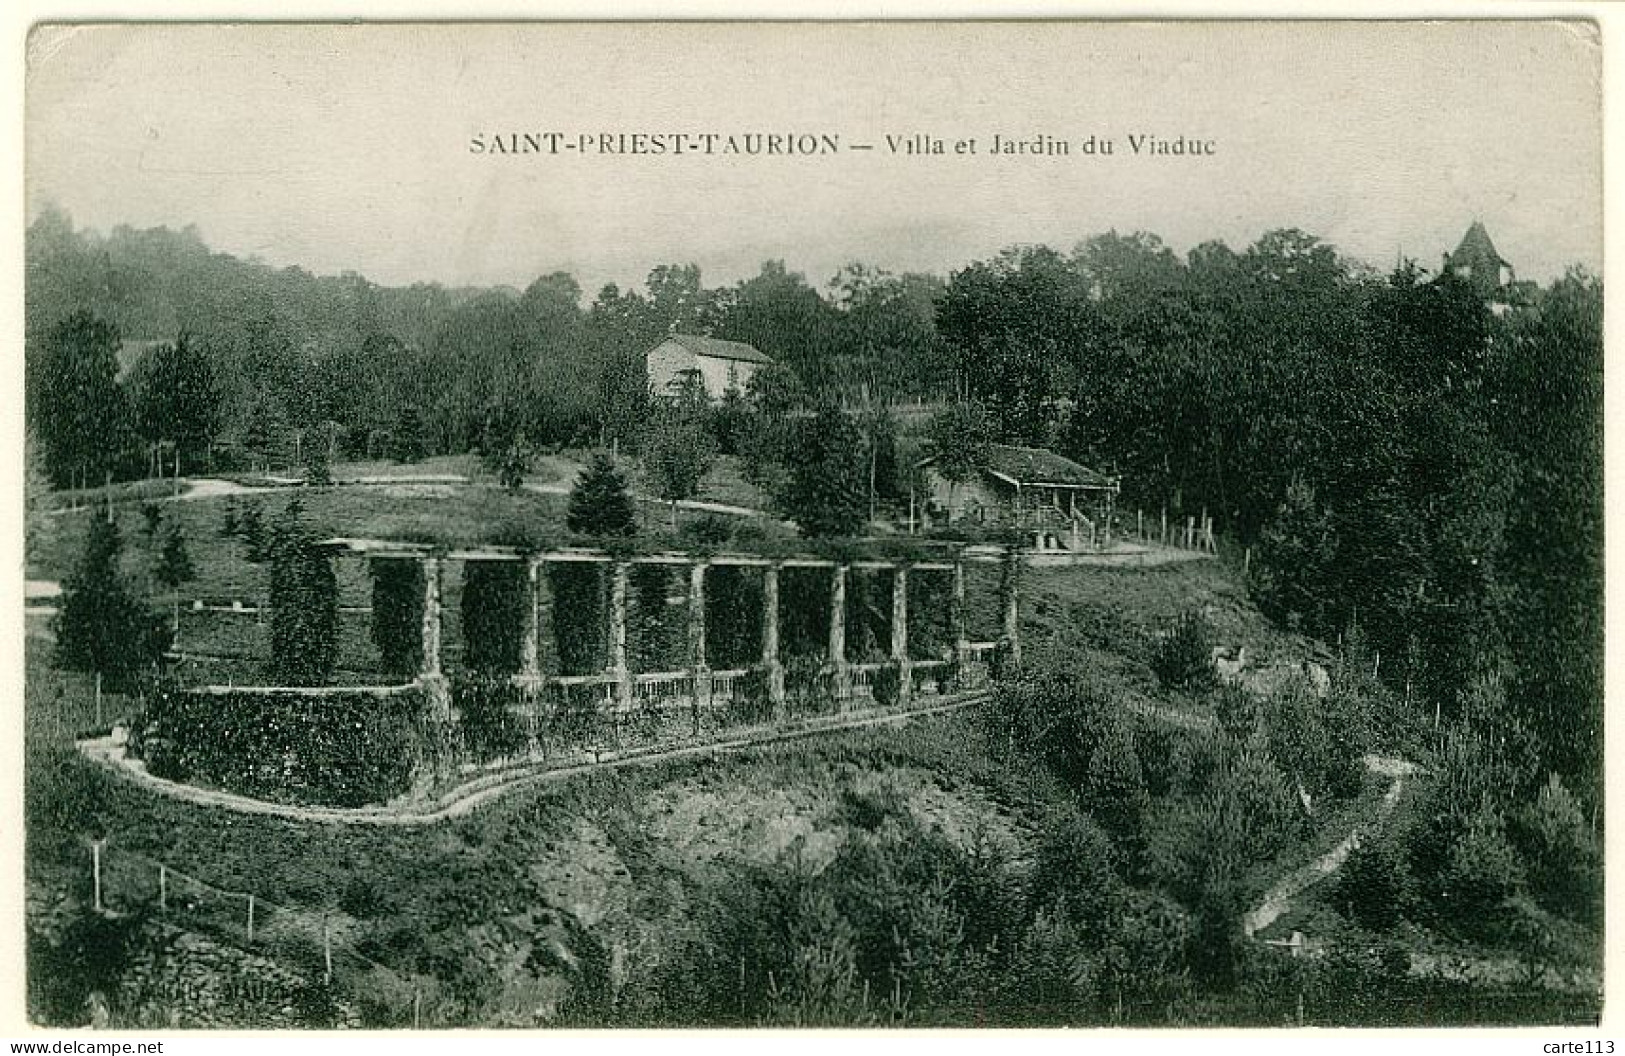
column 1278, row 899
column 473, row 794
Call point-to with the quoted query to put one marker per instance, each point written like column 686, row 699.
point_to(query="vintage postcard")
column 856, row 525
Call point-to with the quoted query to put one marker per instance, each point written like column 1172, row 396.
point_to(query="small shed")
column 1023, row 487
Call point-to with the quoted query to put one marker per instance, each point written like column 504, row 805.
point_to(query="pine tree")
column 101, row 629
column 827, row 493
column 409, row 438
column 599, row 503
column 304, row 603
column 174, row 560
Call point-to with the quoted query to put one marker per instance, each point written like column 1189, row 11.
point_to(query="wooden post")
column 163, row 888
column 251, row 918
column 1139, row 524
column 327, row 949
column 770, row 634
column 1247, row 561
column 96, row 873
column 417, row 1008
column 1190, row 532
column 841, row 676
column 617, row 636
column 899, row 634
column 1164, row 536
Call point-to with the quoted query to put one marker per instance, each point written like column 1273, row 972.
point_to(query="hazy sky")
column 348, row 148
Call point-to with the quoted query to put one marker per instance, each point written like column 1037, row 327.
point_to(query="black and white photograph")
column 811, row 524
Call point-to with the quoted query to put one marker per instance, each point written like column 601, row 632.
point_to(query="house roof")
column 716, row 348
column 1476, row 246
column 1035, row 465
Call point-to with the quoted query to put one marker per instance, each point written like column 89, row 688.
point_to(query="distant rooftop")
column 717, row 348
column 1476, row 246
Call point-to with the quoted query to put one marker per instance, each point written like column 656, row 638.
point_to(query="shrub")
column 710, row 529
column 1565, row 862
column 1374, row 887
column 1075, row 870
column 883, row 685
column 1184, row 657
column 1481, row 874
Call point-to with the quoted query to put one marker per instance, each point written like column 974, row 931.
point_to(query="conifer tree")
column 599, row 503
column 101, row 629
column 827, row 493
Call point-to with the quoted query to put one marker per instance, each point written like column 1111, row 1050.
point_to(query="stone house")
column 717, row 365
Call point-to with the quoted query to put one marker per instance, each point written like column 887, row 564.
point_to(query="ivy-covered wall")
column 339, row 749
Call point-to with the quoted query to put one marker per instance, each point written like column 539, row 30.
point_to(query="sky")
column 348, row 148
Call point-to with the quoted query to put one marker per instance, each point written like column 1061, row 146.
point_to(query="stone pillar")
column 957, row 617
column 899, row 634
column 617, row 635
column 841, row 677
column 699, row 669
column 430, row 675
column 530, row 623
column 770, row 634
column 1012, row 615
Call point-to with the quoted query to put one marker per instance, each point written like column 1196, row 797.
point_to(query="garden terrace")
column 558, row 653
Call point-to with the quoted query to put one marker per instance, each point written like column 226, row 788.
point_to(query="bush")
column 1481, row 874
column 1374, row 887
column 1183, row 658
column 708, row 530
column 1565, row 862
column 884, row 683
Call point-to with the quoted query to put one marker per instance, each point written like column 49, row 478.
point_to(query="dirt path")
column 1279, row 898
column 476, row 793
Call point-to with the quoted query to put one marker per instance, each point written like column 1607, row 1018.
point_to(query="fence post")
column 417, row 1008
column 327, row 949
column 96, row 873
column 163, row 888
column 1164, row 526
column 251, row 918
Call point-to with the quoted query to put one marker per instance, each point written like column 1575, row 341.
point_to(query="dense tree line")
column 259, row 364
